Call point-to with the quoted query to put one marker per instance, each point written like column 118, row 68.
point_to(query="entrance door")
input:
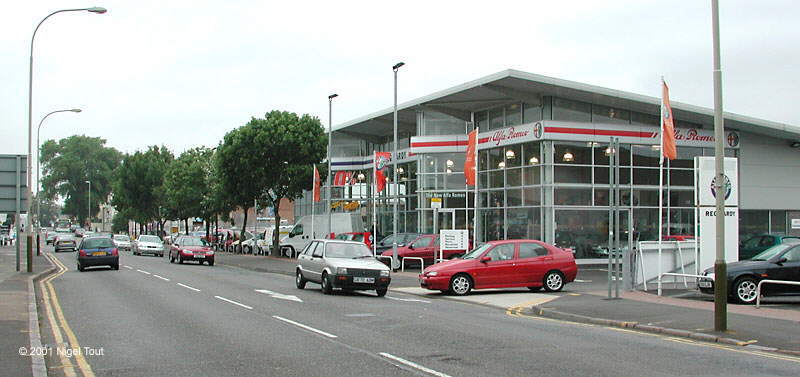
column 445, row 219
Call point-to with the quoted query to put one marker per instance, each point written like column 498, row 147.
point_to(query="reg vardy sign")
column 705, row 201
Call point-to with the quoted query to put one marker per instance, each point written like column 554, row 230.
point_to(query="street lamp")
column 89, row 209
column 394, row 170
column 39, row 176
column 97, row 10
column 330, row 139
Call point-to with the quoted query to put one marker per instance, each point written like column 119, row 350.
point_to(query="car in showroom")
column 425, row 246
column 148, row 244
column 191, row 248
column 760, row 242
column 122, row 241
column 780, row 262
column 402, row 240
column 530, row 264
column 65, row 241
column 97, row 251
column 341, row 264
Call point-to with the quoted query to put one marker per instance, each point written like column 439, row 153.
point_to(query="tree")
column 186, row 184
column 138, row 185
column 69, row 163
column 119, row 224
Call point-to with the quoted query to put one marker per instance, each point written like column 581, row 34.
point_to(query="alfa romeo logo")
column 537, row 130
column 733, row 139
column 382, row 162
column 727, row 187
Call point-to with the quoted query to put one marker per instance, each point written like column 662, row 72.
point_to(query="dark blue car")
column 98, row 251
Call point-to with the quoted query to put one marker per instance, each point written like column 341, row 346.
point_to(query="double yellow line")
column 58, row 322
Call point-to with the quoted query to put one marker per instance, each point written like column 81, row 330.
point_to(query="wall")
column 768, row 176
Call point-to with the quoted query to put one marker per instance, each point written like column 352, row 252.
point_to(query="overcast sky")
column 183, row 73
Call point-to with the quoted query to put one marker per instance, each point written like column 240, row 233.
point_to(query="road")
column 154, row 318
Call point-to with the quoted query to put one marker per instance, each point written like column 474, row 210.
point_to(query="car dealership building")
column 544, row 163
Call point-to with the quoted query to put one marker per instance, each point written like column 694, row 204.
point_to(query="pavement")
column 14, row 310
column 154, row 318
column 679, row 312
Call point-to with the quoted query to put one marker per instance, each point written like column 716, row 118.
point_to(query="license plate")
column 704, row 284
column 363, row 280
column 99, row 254
column 199, row 256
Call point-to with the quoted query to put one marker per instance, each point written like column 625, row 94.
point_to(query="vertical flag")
column 668, row 149
column 317, row 195
column 343, row 178
column 469, row 162
column 381, row 159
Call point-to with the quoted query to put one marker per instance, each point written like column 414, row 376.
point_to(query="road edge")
column 38, row 365
column 542, row 311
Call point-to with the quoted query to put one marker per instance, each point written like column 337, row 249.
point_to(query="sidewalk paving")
column 748, row 326
column 14, row 315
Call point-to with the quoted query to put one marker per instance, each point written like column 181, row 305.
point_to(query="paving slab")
column 498, row 298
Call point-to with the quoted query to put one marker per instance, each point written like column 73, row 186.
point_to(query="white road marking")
column 234, row 302
column 309, row 328
column 582, row 281
column 413, row 365
column 144, row 272
column 407, row 299
column 160, row 277
column 128, row 267
column 279, row 295
column 188, row 287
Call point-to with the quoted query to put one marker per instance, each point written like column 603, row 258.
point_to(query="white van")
column 301, row 235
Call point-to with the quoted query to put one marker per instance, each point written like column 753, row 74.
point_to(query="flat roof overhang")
column 511, row 86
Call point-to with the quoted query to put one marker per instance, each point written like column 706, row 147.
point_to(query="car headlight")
column 384, row 273
column 432, row 273
column 187, row 251
column 210, row 252
column 341, row 271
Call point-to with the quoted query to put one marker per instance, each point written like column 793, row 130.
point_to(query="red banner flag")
column 668, row 148
column 317, row 195
column 469, row 162
column 343, row 178
column 380, row 161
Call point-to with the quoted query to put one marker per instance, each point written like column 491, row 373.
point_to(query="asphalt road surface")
column 154, row 318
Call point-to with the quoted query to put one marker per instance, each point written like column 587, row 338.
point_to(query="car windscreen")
column 346, row 250
column 97, row 243
column 193, row 241
column 773, row 251
column 149, row 239
column 476, row 252
column 121, row 238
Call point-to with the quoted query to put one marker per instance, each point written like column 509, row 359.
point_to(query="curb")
column 38, row 366
column 538, row 310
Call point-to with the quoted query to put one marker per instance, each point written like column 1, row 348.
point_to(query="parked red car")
column 504, row 264
column 365, row 237
column 192, row 248
column 677, row 237
column 425, row 247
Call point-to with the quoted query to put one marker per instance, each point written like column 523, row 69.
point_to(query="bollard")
column 30, row 253
column 38, row 245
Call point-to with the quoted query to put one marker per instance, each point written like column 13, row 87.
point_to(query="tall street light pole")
column 89, row 207
column 330, row 139
column 720, row 267
column 395, row 263
column 97, row 10
column 39, row 177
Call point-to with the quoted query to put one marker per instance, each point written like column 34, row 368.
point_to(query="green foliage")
column 138, row 184
column 187, row 184
column 69, row 163
column 49, row 211
column 120, row 222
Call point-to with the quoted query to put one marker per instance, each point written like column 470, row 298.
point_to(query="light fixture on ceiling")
column 400, row 170
column 655, row 147
column 449, row 171
column 510, row 154
column 592, row 143
column 501, row 165
column 568, row 157
column 450, row 163
column 534, row 160
column 609, row 151
column 361, row 176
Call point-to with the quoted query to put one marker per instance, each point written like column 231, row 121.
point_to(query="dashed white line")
column 160, row 277
column 407, row 299
column 309, row 328
column 188, row 287
column 144, row 272
column 234, row 302
column 413, row 365
column 582, row 281
column 128, row 267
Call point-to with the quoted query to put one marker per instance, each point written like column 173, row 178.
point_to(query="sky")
column 183, row 73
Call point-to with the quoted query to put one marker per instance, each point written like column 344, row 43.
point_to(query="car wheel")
column 171, row 258
column 460, row 284
column 115, row 267
column 248, row 250
column 553, row 281
column 299, row 280
column 381, row 291
column 746, row 290
column 80, row 268
column 535, row 289
column 327, row 288
column 210, row 263
column 180, row 260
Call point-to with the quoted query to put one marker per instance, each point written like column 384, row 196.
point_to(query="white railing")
column 675, row 281
column 421, row 264
column 767, row 281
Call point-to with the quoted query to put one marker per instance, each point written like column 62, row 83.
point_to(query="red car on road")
column 192, row 248
column 425, row 247
column 504, row 264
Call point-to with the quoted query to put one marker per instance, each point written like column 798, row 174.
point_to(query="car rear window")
column 97, row 243
column 149, row 239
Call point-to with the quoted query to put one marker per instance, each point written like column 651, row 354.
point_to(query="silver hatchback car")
column 341, row 264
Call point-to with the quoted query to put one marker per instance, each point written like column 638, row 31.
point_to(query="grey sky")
column 182, row 73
